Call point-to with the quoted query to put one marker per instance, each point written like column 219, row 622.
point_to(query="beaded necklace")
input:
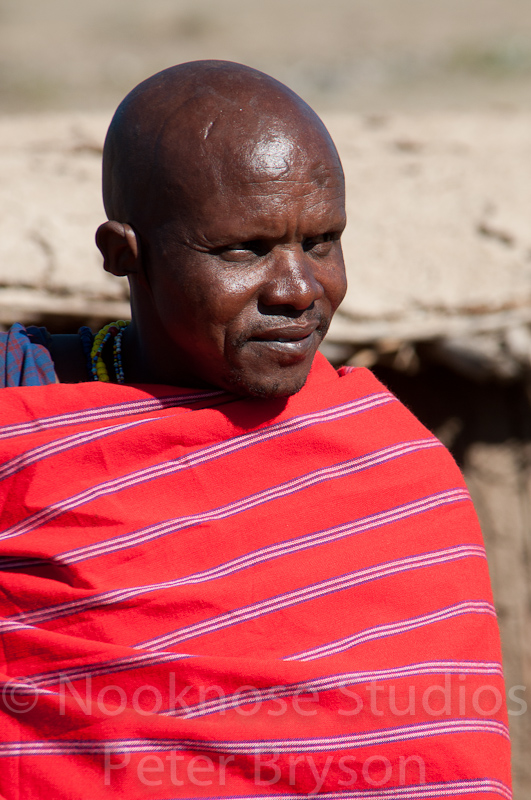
column 114, row 330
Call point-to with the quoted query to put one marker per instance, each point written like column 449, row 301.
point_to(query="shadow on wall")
column 487, row 426
column 460, row 411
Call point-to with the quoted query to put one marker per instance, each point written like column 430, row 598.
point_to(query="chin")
column 272, row 388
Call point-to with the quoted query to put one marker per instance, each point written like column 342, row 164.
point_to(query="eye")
column 243, row 251
column 320, row 245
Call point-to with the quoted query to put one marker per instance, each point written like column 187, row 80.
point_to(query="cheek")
column 209, row 287
column 204, row 313
column 227, row 296
column 334, row 282
column 341, row 288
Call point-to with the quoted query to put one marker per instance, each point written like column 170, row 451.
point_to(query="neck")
column 145, row 362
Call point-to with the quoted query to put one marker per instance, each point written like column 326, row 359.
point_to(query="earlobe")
column 118, row 244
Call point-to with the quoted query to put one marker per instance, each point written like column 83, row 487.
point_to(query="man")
column 239, row 573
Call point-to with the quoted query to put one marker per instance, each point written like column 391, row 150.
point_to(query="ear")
column 118, row 244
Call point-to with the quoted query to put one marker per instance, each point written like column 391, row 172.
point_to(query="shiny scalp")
column 184, row 114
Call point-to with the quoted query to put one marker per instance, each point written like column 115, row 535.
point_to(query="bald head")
column 225, row 198
column 191, row 126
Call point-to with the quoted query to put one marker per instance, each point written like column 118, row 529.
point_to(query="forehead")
column 280, row 158
column 259, row 182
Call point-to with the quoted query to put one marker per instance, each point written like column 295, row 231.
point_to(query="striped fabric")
column 207, row 596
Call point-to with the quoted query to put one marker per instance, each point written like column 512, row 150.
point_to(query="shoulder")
column 69, row 358
column 30, row 356
column 24, row 357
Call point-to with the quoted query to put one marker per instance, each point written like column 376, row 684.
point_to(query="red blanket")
column 208, row 596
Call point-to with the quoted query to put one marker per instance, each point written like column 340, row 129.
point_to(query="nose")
column 292, row 279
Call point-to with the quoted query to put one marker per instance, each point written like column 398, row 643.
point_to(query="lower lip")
column 298, row 347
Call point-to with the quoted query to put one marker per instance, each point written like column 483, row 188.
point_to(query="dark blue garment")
column 24, row 357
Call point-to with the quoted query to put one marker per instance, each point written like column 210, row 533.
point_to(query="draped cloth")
column 211, row 596
column 24, row 357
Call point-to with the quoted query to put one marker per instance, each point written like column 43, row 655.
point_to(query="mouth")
column 285, row 334
column 292, row 340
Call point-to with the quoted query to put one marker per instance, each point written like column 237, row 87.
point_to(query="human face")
column 246, row 280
